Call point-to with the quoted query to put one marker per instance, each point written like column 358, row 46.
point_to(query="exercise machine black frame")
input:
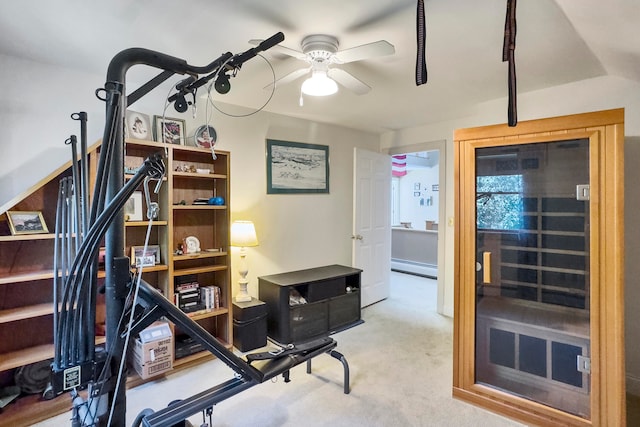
column 112, row 192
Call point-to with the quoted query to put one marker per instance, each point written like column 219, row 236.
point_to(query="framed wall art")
column 137, row 125
column 297, row 168
column 169, row 130
column 23, row 222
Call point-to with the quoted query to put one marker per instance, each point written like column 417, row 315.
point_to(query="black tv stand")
column 306, row 304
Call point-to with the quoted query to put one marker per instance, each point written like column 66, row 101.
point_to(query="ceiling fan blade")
column 365, row 51
column 281, row 49
column 289, row 77
column 348, row 81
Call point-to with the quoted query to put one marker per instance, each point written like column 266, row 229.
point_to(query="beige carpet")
column 401, row 372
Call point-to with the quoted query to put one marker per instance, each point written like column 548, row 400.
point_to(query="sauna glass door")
column 532, row 272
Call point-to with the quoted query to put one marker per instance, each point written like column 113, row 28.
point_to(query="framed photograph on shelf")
column 169, row 130
column 137, row 125
column 133, row 207
column 26, row 222
column 142, row 258
column 297, row 168
column 205, row 137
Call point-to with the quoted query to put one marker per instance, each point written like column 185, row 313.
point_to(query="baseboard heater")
column 412, row 267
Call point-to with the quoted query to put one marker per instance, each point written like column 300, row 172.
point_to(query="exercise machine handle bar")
column 230, row 62
column 135, row 55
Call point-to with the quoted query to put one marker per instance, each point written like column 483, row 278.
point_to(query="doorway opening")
column 418, row 212
column 415, row 198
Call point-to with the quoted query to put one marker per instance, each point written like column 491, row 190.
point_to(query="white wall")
column 295, row 231
column 416, row 209
column 35, row 115
column 596, row 94
column 37, row 102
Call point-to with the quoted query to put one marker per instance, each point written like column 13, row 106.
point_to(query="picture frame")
column 205, row 137
column 297, row 168
column 26, row 222
column 137, row 125
column 148, row 258
column 169, row 130
column 133, row 207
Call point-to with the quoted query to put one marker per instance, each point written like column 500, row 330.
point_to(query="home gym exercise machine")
column 131, row 303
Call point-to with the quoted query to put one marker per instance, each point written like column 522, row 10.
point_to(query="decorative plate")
column 191, row 245
column 205, row 137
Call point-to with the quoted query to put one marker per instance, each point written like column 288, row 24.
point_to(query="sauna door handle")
column 486, row 267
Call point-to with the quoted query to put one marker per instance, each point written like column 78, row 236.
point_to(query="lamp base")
column 243, row 293
column 243, row 298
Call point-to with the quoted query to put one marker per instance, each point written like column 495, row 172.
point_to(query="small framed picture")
column 205, row 137
column 137, row 125
column 23, row 222
column 169, row 130
column 416, row 186
column 142, row 258
column 133, row 207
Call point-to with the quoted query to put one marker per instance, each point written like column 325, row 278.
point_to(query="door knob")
column 357, row 237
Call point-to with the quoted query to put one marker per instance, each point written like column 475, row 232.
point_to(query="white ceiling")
column 558, row 41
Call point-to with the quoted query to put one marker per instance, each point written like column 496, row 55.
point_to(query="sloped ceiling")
column 558, row 41
column 610, row 30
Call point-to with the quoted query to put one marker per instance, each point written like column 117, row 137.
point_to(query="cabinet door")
column 540, row 259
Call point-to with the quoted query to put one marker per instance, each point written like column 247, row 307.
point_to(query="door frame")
column 441, row 147
column 605, row 130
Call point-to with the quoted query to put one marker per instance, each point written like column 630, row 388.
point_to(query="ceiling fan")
column 321, row 52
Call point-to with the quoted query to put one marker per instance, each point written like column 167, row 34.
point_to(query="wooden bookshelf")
column 26, row 261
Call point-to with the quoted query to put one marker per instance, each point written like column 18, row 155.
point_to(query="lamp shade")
column 243, row 234
column 319, row 84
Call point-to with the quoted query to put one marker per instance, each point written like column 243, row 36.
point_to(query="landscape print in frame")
column 297, row 168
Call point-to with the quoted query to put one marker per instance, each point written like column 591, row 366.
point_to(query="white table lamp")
column 243, row 235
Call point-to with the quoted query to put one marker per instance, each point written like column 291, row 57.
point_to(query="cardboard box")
column 152, row 352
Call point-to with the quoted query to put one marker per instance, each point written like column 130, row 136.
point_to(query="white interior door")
column 372, row 223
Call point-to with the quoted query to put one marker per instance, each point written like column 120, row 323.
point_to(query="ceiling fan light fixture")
column 319, row 84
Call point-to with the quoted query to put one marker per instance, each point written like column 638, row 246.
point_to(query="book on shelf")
column 210, row 296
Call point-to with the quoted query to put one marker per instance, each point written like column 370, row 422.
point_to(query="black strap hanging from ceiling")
column 421, row 63
column 508, row 54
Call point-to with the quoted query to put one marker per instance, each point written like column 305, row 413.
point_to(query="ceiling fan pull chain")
column 421, row 63
column 508, row 54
